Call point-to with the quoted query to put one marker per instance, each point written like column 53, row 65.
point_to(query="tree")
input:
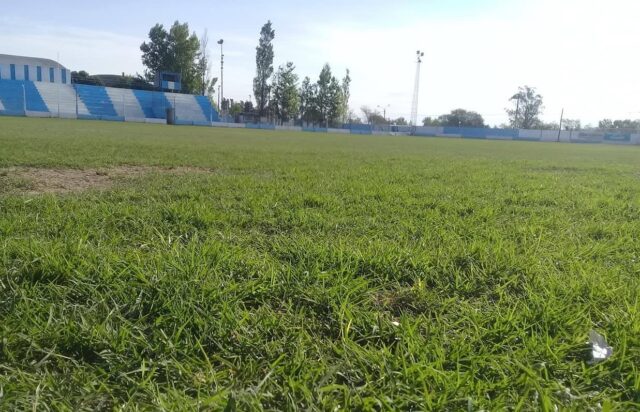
column 235, row 109
column 173, row 51
column 570, row 124
column 626, row 124
column 82, row 77
column 329, row 98
column 429, row 121
column 367, row 112
column 605, row 124
column 155, row 54
column 373, row 116
column 400, row 121
column 461, row 118
column 226, row 104
column 264, row 67
column 548, row 126
column 308, row 108
column 207, row 83
column 352, row 117
column 286, row 101
column 346, row 95
column 527, row 108
column 323, row 94
column 337, row 108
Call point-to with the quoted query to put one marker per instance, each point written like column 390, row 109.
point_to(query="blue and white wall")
column 33, row 69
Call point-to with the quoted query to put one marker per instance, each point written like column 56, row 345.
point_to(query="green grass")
column 275, row 282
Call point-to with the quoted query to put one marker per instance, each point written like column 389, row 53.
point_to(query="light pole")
column 416, row 89
column 384, row 111
column 221, row 42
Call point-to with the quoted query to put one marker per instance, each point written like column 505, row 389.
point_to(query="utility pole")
column 220, row 42
column 560, row 127
column 384, row 111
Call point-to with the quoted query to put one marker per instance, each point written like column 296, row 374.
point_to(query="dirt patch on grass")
column 32, row 180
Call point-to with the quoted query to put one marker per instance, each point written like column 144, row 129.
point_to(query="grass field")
column 285, row 271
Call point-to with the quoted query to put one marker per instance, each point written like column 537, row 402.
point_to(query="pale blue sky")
column 580, row 54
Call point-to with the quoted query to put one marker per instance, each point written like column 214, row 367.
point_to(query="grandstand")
column 42, row 88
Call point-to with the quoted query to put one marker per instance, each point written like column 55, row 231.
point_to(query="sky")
column 581, row 55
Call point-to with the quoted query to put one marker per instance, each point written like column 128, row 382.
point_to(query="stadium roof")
column 33, row 61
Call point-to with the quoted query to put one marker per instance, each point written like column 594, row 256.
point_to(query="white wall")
column 429, row 131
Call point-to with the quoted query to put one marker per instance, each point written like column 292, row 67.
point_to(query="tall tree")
column 307, row 95
column 207, row 83
column 324, row 95
column 155, row 53
column 174, row 51
column 346, row 95
column 337, row 107
column 286, row 101
column 264, row 67
column 527, row 108
column 461, row 118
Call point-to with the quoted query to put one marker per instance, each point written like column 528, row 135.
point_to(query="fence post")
column 24, row 99
column 58, row 98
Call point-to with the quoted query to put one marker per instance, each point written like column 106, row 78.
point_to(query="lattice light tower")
column 416, row 90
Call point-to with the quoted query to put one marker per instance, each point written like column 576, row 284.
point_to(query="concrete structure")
column 33, row 69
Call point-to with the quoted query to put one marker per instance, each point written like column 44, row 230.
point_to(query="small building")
column 33, row 69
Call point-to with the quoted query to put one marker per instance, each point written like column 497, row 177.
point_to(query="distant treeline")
column 110, row 80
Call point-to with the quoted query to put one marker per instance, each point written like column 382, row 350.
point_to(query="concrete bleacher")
column 19, row 97
column 191, row 110
column 61, row 99
column 96, row 102
column 125, row 103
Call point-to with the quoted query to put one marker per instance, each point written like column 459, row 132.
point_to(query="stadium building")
column 32, row 69
column 37, row 87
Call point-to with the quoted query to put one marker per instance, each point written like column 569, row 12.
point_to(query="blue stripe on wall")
column 39, row 73
column 207, row 109
column 35, row 103
column 145, row 100
column 26, row 72
column 13, row 94
column 160, row 104
column 96, row 100
column 13, row 71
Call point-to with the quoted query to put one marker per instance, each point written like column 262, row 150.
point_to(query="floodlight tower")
column 220, row 42
column 416, row 90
